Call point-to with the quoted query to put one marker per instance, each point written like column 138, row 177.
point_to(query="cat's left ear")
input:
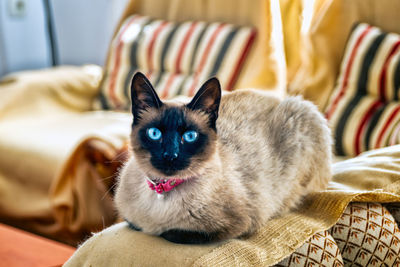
column 207, row 99
column 143, row 96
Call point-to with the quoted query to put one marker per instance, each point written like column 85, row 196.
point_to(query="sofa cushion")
column 315, row 37
column 320, row 250
column 176, row 57
column 367, row 235
column 364, row 109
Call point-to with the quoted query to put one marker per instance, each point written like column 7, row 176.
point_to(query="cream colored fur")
column 269, row 154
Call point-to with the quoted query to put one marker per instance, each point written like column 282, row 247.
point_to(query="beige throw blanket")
column 57, row 158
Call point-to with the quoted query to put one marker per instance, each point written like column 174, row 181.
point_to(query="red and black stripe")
column 361, row 92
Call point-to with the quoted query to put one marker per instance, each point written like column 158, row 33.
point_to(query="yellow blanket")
column 56, row 156
column 371, row 177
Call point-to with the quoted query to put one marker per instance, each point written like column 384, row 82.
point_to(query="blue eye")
column 154, row 134
column 190, row 136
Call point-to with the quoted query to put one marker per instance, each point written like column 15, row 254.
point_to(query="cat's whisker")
column 115, row 161
column 108, row 191
column 193, row 174
column 151, row 181
column 113, row 176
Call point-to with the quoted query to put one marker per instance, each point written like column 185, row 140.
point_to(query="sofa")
column 61, row 148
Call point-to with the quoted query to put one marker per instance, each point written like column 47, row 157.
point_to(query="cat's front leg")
column 189, row 237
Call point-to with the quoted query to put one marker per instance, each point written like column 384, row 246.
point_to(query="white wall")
column 2, row 52
column 23, row 38
column 83, row 30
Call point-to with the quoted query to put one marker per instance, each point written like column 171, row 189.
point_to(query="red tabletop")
column 20, row 248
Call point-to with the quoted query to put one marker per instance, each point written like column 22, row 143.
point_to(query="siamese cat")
column 219, row 167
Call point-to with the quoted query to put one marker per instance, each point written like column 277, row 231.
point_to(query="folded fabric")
column 371, row 177
column 56, row 161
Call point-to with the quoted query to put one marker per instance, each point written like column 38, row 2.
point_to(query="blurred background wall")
column 81, row 31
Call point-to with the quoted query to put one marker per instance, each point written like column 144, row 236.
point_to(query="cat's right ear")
column 143, row 96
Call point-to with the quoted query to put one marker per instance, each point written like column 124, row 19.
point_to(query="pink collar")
column 164, row 185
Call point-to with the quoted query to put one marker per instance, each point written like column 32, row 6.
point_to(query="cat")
column 219, row 167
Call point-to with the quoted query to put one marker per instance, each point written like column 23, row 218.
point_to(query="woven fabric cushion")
column 394, row 209
column 320, row 250
column 176, row 57
column 367, row 235
column 364, row 109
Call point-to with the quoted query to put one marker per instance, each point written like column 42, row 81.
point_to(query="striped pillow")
column 176, row 57
column 364, row 109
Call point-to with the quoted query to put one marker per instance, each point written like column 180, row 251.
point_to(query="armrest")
column 65, row 88
column 119, row 245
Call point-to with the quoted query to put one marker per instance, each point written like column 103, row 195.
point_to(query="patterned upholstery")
column 394, row 209
column 177, row 58
column 364, row 109
column 365, row 235
column 320, row 250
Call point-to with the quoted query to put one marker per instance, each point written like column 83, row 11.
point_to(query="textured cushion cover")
column 320, row 249
column 365, row 235
column 176, row 57
column 364, row 109
column 368, row 235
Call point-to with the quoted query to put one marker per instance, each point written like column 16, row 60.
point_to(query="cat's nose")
column 170, row 156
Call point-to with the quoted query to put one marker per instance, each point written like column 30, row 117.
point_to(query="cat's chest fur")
column 264, row 155
column 195, row 201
